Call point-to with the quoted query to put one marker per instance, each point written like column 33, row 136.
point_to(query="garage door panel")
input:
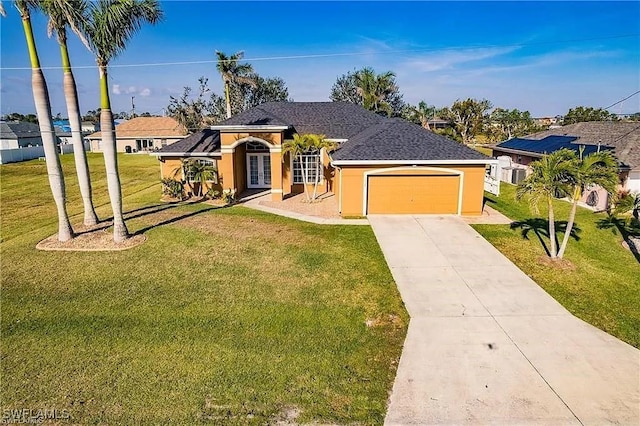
column 413, row 194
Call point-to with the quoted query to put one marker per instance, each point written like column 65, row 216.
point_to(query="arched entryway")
column 258, row 160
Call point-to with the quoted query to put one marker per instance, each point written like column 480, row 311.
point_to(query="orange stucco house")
column 381, row 166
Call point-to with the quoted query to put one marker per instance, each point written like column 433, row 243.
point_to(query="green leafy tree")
column 582, row 114
column 550, row 178
column 72, row 14
column 199, row 172
column 420, row 114
column 232, row 72
column 376, row 92
column 599, row 168
column 511, row 123
column 43, row 110
column 272, row 89
column 193, row 113
column 16, row 116
column 468, row 117
column 111, row 24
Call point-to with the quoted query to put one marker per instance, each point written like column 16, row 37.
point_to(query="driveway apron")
column 486, row 345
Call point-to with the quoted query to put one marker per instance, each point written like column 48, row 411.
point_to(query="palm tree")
column 549, row 179
column 111, row 25
column 374, row 89
column 308, row 144
column 234, row 73
column 422, row 114
column 62, row 14
column 43, row 110
column 599, row 168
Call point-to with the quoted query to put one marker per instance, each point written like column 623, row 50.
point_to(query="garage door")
column 413, row 194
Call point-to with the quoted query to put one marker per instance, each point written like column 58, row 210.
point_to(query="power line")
column 622, row 100
column 332, row 55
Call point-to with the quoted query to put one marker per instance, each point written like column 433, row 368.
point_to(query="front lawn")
column 224, row 315
column 601, row 284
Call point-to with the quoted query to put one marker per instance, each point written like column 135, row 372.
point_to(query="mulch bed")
column 95, row 238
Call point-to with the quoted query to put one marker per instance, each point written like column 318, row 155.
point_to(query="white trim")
column 365, row 187
column 340, row 197
column 249, row 139
column 244, row 127
column 186, row 154
column 276, row 149
column 276, row 191
column 336, row 140
column 224, row 150
column 410, row 162
column 260, row 156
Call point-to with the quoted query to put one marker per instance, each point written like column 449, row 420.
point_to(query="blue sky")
column 545, row 57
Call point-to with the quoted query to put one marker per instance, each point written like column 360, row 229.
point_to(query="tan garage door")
column 413, row 194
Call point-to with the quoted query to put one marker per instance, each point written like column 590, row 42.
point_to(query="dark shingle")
column 19, row 129
column 338, row 120
column 397, row 139
column 204, row 141
column 622, row 137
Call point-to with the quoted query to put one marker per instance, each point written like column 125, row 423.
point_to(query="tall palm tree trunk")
column 572, row 217
column 553, row 250
column 120, row 232
column 43, row 110
column 227, row 95
column 79, row 154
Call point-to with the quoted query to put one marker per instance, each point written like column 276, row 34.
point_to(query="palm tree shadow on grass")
column 179, row 218
column 628, row 229
column 540, row 227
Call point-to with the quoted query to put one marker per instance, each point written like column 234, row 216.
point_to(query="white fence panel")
column 21, row 154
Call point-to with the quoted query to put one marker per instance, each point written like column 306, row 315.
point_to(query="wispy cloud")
column 444, row 60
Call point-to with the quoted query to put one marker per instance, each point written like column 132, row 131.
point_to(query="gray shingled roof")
column 204, row 141
column 397, row 139
column 337, row 120
column 624, row 137
column 19, row 129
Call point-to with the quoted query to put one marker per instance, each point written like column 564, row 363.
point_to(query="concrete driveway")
column 486, row 345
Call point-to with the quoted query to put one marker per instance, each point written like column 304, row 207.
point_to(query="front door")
column 259, row 170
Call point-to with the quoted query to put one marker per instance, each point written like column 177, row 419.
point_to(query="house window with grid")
column 189, row 175
column 313, row 168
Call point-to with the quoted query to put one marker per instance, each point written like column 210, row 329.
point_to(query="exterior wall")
column 352, row 186
column 516, row 158
column 123, row 143
column 169, row 165
column 632, row 182
column 20, row 142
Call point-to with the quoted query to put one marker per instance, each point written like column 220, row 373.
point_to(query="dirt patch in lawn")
column 95, row 238
column 557, row 263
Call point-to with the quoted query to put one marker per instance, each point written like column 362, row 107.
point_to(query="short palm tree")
column 63, row 14
column 550, row 178
column 599, row 168
column 111, row 25
column 308, row 144
column 200, row 172
column 374, row 89
column 423, row 113
column 43, row 110
column 234, row 73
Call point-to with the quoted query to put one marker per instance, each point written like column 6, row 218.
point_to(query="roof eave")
column 245, row 127
column 186, row 154
column 409, row 162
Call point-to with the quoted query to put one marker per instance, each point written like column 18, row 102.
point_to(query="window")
column 313, row 168
column 190, row 172
column 253, row 146
column 163, row 142
column 144, row 144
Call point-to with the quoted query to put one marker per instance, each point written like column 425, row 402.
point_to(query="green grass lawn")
column 602, row 283
column 224, row 315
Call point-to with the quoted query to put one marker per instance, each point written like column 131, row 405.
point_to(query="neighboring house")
column 382, row 165
column 438, row 123
column 89, row 126
column 142, row 134
column 19, row 134
column 623, row 138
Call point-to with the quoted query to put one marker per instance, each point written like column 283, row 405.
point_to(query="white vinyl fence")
column 31, row 152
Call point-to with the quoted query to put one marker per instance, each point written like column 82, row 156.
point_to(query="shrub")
column 173, row 188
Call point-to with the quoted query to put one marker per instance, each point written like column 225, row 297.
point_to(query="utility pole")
column 133, row 108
